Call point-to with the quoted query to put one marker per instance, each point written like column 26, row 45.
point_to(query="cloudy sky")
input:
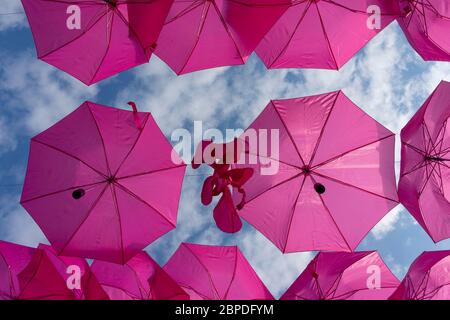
column 387, row 79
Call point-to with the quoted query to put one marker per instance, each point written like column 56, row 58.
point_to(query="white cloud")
column 388, row 223
column 11, row 15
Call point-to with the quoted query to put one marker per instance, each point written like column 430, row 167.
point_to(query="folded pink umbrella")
column 141, row 278
column 215, row 273
column 38, row 274
column 426, row 24
column 331, row 177
column 323, row 34
column 218, row 184
column 95, row 39
column 103, row 183
column 344, row 276
column 425, row 165
column 428, row 278
column 202, row 34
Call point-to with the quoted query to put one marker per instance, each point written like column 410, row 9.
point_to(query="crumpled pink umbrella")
column 331, row 180
column 428, row 278
column 215, row 273
column 223, row 178
column 141, row 278
column 344, row 276
column 103, row 183
column 95, row 39
column 426, row 24
column 202, row 34
column 322, row 34
column 38, row 274
column 425, row 164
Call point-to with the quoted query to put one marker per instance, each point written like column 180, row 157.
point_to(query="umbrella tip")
column 320, row 188
column 78, row 194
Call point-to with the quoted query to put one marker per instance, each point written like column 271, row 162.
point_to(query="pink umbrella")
column 426, row 24
column 428, row 278
column 95, row 39
column 141, row 278
column 424, row 173
column 323, row 33
column 215, row 273
column 13, row 260
column 344, row 276
column 202, row 34
column 331, row 180
column 38, row 274
column 103, row 183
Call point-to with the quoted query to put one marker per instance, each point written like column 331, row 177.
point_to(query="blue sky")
column 387, row 79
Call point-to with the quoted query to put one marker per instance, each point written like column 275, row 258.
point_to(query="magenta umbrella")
column 141, row 278
column 322, row 34
column 425, row 166
column 215, row 273
column 202, row 34
column 38, row 274
column 428, row 278
column 95, row 39
column 344, row 276
column 103, row 183
column 426, row 24
column 332, row 178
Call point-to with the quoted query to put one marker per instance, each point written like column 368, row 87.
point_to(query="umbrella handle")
column 135, row 114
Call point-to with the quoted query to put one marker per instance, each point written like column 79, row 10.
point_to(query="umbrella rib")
column 219, row 14
column 350, row 151
column 94, row 204
column 101, row 138
column 206, row 269
column 151, row 172
column 353, row 186
column 109, row 35
column 70, row 155
column 319, row 139
column 116, row 206
column 234, row 275
column 74, row 39
column 199, row 32
column 287, row 131
column 144, row 202
column 293, row 213
column 285, row 47
column 294, row 167
column 332, row 218
column 132, row 148
column 60, row 191
column 433, row 166
column 194, row 5
column 418, row 166
column 326, row 37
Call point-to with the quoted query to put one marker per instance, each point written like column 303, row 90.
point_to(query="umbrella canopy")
column 425, row 165
column 428, row 278
column 95, row 39
column 13, row 260
column 141, row 278
column 202, row 34
column 332, row 173
column 38, row 274
column 215, row 273
column 426, row 24
column 344, row 276
column 323, row 33
column 103, row 183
